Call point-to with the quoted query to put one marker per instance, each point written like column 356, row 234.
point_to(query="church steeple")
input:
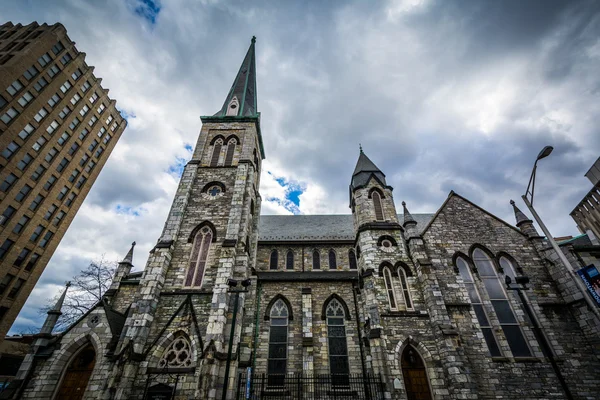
column 241, row 100
column 363, row 171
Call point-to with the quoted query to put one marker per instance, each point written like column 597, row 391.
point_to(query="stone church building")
column 369, row 305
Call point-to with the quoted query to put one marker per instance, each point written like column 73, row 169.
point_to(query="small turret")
column 409, row 224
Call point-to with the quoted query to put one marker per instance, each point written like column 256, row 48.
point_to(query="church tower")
column 208, row 242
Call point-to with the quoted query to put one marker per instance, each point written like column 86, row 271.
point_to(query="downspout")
column 258, row 295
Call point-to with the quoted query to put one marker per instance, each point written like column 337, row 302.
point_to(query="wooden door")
column 415, row 375
column 77, row 375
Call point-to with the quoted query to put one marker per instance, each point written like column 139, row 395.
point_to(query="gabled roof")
column 316, row 227
column 453, row 194
column 244, row 87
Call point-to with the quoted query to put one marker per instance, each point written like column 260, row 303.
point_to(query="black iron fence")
column 308, row 387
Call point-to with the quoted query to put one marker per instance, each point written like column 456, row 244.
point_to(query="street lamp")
column 537, row 329
column 232, row 283
column 529, row 202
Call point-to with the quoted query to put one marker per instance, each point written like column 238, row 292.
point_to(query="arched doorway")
column 78, row 374
column 415, row 376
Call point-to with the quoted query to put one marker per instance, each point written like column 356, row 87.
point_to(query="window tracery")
column 199, row 256
column 338, row 346
column 178, row 354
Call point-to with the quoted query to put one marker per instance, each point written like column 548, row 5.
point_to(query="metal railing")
column 308, row 387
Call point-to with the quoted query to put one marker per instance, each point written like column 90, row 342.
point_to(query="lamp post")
column 232, row 283
column 529, row 202
column 537, row 329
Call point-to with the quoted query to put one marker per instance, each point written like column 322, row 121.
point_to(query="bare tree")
column 87, row 289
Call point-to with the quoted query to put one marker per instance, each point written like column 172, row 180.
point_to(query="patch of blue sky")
column 129, row 210
column 285, row 203
column 126, row 114
column 177, row 167
column 148, row 9
column 189, row 147
column 293, row 190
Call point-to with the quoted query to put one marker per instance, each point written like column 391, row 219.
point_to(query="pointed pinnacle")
column 57, row 307
column 129, row 256
column 519, row 215
column 360, row 146
column 253, row 39
column 408, row 218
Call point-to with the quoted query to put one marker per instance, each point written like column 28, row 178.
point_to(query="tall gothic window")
column 332, row 260
column 405, row 289
column 195, row 272
column 352, row 259
column 274, row 260
column 504, row 312
column 289, row 260
column 484, row 321
column 338, row 346
column 377, row 204
column 316, row 259
column 214, row 161
column 389, row 287
column 278, row 336
column 230, row 151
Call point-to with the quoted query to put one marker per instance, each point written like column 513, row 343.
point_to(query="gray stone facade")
column 404, row 312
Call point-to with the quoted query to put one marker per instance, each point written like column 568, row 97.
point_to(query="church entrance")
column 415, row 376
column 78, row 374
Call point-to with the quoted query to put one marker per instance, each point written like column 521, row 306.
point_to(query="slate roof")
column 363, row 171
column 316, row 227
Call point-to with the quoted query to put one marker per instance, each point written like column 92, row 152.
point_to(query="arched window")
column 352, row 259
column 377, row 204
column 405, row 289
column 195, row 272
column 508, row 268
column 338, row 346
column 506, row 317
column 178, row 354
column 274, row 260
column 316, row 259
column 214, row 161
column 415, row 375
column 332, row 260
column 484, row 321
column 230, row 151
column 278, row 335
column 389, row 287
column 289, row 260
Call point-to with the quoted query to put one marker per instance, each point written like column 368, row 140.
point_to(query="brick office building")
column 57, row 128
column 372, row 305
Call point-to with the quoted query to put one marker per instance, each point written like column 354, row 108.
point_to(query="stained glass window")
column 332, row 260
column 278, row 334
column 338, row 346
column 274, row 260
column 289, row 260
column 195, row 272
column 178, row 354
column 316, row 259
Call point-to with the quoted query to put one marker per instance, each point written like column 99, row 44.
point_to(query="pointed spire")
column 58, row 306
column 521, row 218
column 363, row 171
column 408, row 218
column 241, row 100
column 129, row 256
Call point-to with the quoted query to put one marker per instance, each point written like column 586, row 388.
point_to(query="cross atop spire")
column 241, row 99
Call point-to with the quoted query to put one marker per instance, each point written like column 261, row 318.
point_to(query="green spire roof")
column 243, row 88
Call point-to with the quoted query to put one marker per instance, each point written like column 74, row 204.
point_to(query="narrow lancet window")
column 377, row 204
column 278, row 336
column 389, row 287
column 289, row 260
column 332, row 260
column 214, row 161
column 230, row 151
column 352, row 259
column 274, row 260
column 338, row 346
column 195, row 272
column 316, row 259
column 405, row 289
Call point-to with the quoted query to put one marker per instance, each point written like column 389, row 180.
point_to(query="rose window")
column 178, row 354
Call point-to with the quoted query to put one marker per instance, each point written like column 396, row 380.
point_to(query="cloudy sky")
column 442, row 95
